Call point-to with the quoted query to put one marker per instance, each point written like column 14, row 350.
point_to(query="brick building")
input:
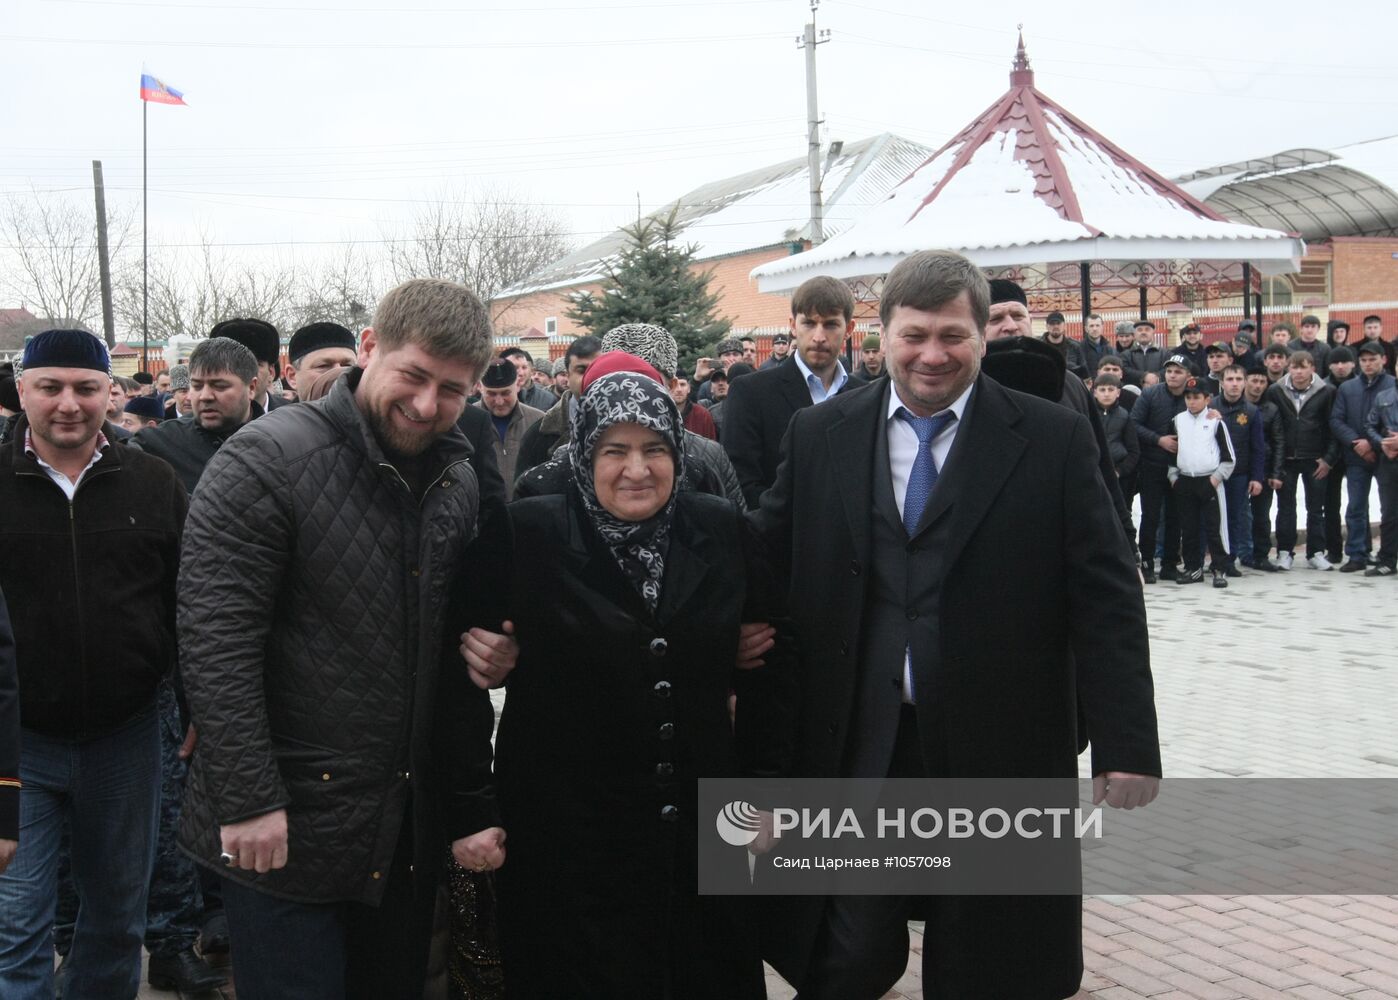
column 737, row 223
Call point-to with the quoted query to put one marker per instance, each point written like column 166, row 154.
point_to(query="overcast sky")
column 312, row 121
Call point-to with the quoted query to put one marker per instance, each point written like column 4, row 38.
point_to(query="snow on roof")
column 1027, row 182
column 760, row 208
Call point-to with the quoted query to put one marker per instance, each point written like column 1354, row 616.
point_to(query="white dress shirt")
column 815, row 386
column 902, row 453
column 68, row 486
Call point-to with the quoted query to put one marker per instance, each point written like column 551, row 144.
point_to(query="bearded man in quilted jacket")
column 342, row 746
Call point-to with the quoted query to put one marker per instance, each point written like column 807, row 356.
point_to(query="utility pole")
column 104, row 264
column 809, row 41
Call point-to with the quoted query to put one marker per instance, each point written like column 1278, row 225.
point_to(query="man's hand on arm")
column 754, row 639
column 1123, row 790
column 257, row 844
column 490, row 656
column 482, row 851
column 1170, row 443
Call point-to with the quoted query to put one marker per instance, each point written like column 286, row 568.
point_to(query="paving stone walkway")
column 1300, row 681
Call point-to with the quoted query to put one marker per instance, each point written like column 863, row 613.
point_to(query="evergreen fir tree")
column 653, row 282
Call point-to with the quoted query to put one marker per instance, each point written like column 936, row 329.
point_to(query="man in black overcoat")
column 944, row 650
column 759, row 409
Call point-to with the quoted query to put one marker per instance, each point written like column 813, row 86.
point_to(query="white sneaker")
column 1283, row 560
column 1318, row 561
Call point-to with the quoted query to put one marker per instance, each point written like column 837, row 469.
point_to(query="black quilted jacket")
column 310, row 620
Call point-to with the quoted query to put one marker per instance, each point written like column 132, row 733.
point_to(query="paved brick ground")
column 1296, row 697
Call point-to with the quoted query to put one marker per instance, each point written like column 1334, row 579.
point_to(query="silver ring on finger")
column 229, row 860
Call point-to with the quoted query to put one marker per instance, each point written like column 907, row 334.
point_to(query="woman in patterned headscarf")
column 627, row 596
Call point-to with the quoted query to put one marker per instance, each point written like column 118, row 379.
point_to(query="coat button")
column 377, row 875
column 658, row 647
column 669, row 813
column 833, row 728
column 854, row 569
column 325, row 776
column 405, row 775
column 844, row 648
column 667, row 730
column 912, row 615
column 662, row 689
column 414, row 571
column 446, row 483
column 664, row 769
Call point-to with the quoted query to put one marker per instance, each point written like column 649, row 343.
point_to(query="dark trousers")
column 1262, row 523
column 1155, row 496
column 1334, row 537
column 1196, row 498
column 1302, row 470
column 1235, row 494
column 333, row 951
column 862, row 947
column 1388, row 511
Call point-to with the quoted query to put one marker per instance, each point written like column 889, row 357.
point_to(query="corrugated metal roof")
column 1319, row 193
column 760, row 208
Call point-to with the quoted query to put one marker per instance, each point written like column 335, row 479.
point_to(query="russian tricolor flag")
column 157, row 90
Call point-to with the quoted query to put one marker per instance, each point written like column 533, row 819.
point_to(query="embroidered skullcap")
column 66, row 349
column 653, row 344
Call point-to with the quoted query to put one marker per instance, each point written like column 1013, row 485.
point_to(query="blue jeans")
column 1235, row 496
column 1359, row 479
column 108, row 790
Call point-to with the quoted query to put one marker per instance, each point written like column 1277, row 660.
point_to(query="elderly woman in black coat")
column 627, row 600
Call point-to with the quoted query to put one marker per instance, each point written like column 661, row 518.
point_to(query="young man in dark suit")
column 758, row 409
column 931, row 490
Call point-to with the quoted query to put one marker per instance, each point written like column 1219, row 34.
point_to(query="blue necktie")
column 924, row 474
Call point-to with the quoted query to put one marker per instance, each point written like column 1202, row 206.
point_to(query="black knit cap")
column 145, row 407
column 9, row 395
column 317, row 336
column 1004, row 290
column 1339, row 353
column 143, row 378
column 66, row 349
column 500, row 374
column 256, row 335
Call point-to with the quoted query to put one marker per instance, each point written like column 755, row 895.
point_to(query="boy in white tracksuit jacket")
column 1204, row 459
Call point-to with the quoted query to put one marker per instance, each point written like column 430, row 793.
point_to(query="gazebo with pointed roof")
column 1029, row 190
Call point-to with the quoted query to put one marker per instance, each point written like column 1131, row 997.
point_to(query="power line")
column 1113, row 46
column 1114, row 81
column 383, row 45
column 281, row 9
column 600, row 136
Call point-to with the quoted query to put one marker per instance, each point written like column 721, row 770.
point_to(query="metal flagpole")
column 145, row 288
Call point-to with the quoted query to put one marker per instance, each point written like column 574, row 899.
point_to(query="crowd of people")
column 255, row 612
column 1259, row 423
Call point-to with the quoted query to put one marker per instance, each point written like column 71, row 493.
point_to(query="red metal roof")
column 1021, row 111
